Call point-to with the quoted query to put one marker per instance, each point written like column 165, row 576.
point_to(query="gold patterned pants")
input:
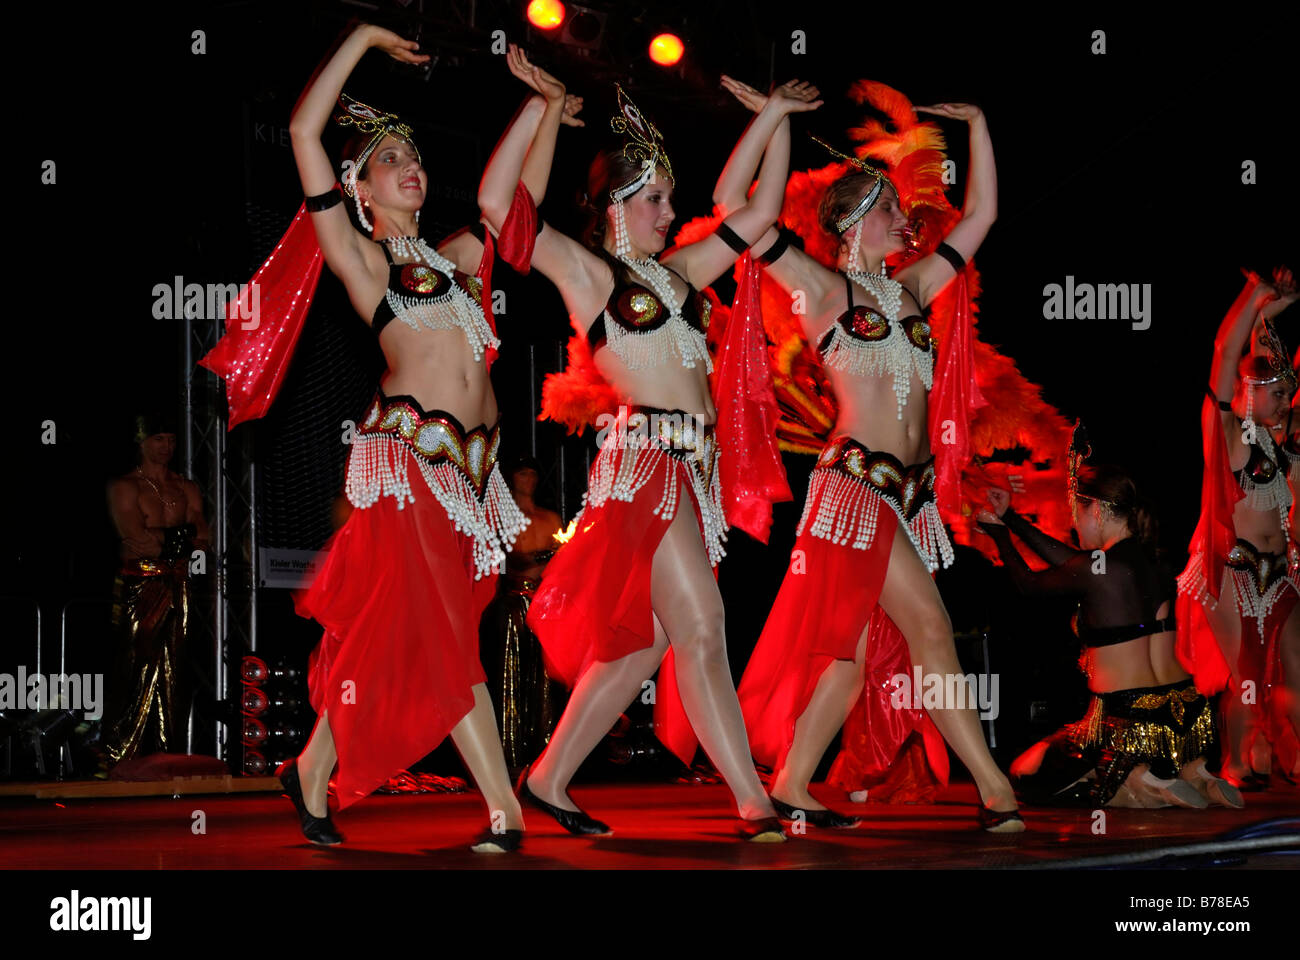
column 151, row 601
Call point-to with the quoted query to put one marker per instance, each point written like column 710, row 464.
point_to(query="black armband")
column 952, row 256
column 773, row 253
column 1223, row 405
column 731, row 238
column 323, row 201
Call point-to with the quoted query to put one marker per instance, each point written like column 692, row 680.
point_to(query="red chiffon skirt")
column 594, row 601
column 829, row 596
column 1260, row 661
column 397, row 597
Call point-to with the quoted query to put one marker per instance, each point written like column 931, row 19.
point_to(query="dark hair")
column 1114, row 485
column 610, row 168
column 841, row 197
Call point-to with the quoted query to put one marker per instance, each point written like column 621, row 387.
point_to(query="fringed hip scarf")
column 1164, row 727
column 848, row 486
column 459, row 467
column 644, row 443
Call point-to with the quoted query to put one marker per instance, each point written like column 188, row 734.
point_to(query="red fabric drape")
column 752, row 475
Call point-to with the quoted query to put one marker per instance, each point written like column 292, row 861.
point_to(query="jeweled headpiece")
column 642, row 142
column 1275, row 352
column 367, row 119
column 872, row 195
column 1080, row 450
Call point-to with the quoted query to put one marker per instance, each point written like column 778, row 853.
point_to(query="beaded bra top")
column 643, row 332
column 865, row 342
column 1264, row 477
column 432, row 293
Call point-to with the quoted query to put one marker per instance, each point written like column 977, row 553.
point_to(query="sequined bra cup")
column 437, row 299
column 643, row 332
column 1263, row 478
column 864, row 342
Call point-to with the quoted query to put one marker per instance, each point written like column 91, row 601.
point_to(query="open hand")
column 395, row 45
column 795, row 96
column 537, row 78
column 957, row 111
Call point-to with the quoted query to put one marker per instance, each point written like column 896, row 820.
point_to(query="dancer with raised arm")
column 406, row 578
column 859, row 597
column 636, row 580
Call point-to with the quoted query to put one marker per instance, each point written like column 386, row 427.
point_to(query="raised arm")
column 767, row 137
column 527, row 148
column 1049, row 548
column 929, row 275
column 1233, row 337
column 339, row 241
column 1070, row 577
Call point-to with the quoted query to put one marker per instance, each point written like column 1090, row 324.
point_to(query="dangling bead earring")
column 622, row 244
column 1249, row 421
column 417, row 216
column 855, row 258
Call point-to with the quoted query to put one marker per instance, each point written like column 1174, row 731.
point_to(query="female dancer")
column 408, row 575
column 1253, row 628
column 528, row 702
column 637, row 575
column 1148, row 724
column 870, row 535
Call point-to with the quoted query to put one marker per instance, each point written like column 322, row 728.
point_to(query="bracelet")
column 731, row 238
column 1223, row 405
column 952, row 256
column 323, row 201
column 773, row 253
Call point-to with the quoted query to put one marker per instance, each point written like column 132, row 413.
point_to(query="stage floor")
column 657, row 826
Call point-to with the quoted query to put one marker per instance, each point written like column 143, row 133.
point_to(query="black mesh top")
column 1115, row 606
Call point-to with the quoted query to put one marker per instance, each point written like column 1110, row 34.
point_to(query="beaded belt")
column 436, row 436
column 907, row 488
column 655, row 439
column 1264, row 569
column 847, row 486
column 460, row 468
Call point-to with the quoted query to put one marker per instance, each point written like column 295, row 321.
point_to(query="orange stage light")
column 546, row 14
column 666, row 49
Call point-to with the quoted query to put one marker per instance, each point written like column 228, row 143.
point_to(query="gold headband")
column 367, row 119
column 872, row 195
column 644, row 143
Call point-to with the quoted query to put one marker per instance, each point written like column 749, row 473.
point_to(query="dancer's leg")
column 315, row 764
column 912, row 601
column 602, row 693
column 1238, row 720
column 833, row 698
column 686, row 601
column 1289, row 692
column 479, row 743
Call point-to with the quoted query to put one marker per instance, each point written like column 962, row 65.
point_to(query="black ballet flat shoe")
column 763, row 830
column 319, row 830
column 1001, row 821
column 826, row 819
column 489, row 842
column 1251, row 783
column 575, row 821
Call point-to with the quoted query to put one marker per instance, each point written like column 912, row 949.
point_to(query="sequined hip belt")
column 459, row 467
column 848, row 484
column 645, row 443
column 435, row 435
column 1264, row 569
